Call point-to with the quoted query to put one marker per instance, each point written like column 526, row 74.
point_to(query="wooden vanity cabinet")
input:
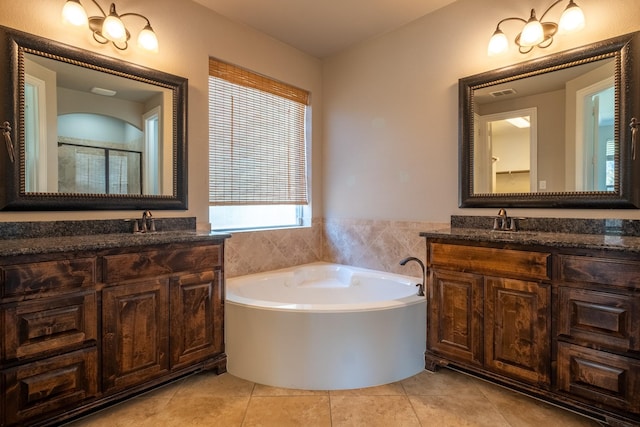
column 560, row 324
column 161, row 311
column 78, row 332
column 489, row 310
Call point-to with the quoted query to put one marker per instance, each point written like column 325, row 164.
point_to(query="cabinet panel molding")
column 455, row 315
column 196, row 317
column 599, row 376
column 44, row 326
column 50, row 385
column 135, row 333
column 517, row 329
column 608, row 319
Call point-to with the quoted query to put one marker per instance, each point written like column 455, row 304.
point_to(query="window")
column 257, row 150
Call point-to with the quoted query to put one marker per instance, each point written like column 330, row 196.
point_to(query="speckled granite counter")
column 33, row 246
column 629, row 244
column 31, row 238
column 599, row 234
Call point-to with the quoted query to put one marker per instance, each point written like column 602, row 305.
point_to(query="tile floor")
column 445, row 398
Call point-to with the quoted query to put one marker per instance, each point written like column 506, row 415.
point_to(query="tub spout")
column 424, row 273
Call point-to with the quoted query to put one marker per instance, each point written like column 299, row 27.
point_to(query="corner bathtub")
column 324, row 327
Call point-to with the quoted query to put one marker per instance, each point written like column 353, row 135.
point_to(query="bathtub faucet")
column 424, row 273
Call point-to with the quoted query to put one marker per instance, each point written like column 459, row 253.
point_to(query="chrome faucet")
column 148, row 224
column 424, row 273
column 501, row 222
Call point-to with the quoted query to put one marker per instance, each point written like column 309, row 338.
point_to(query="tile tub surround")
column 374, row 244
column 444, row 398
column 265, row 250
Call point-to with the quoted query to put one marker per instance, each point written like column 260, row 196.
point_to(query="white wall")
column 391, row 108
column 188, row 34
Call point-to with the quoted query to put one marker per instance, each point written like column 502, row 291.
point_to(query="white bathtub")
column 324, row 327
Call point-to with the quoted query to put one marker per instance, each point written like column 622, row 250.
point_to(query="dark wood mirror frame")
column 14, row 44
column 626, row 51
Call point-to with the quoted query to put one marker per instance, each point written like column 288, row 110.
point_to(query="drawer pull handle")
column 634, row 130
column 6, row 131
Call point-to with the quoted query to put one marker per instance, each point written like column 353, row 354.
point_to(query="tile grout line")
column 246, row 409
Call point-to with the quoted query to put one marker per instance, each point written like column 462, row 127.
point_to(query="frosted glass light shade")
column 113, row 29
column 572, row 18
column 498, row 43
column 532, row 34
column 147, row 39
column 74, row 14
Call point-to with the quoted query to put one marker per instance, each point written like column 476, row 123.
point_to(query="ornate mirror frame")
column 626, row 51
column 13, row 46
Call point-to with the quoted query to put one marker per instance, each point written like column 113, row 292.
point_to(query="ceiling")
column 323, row 27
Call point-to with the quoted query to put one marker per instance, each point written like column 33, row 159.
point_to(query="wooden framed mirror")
column 574, row 145
column 89, row 132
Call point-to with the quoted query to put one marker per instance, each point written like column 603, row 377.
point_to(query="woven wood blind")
column 257, row 151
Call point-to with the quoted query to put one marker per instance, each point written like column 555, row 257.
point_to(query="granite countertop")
column 614, row 242
column 42, row 245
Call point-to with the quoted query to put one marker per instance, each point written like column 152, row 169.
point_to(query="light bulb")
column 532, row 34
column 113, row 29
column 147, row 39
column 572, row 18
column 74, row 14
column 498, row 43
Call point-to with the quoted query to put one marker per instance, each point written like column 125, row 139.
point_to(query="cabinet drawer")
column 155, row 263
column 42, row 278
column 609, row 320
column 46, row 325
column 606, row 271
column 48, row 386
column 492, row 261
column 599, row 377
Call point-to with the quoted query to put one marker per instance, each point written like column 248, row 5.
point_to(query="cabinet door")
column 517, row 329
column 455, row 316
column 135, row 338
column 196, row 317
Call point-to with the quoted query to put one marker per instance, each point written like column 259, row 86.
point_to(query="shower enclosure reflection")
column 87, row 132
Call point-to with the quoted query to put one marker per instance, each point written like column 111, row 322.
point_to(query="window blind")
column 257, row 150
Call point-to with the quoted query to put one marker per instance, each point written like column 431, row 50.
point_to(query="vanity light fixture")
column 537, row 32
column 109, row 28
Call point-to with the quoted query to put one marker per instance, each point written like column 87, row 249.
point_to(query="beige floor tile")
column 288, row 411
column 456, row 411
column 442, row 382
column 393, row 389
column 372, row 411
column 130, row 413
column 199, row 411
column 210, row 384
column 523, row 411
column 265, row 390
